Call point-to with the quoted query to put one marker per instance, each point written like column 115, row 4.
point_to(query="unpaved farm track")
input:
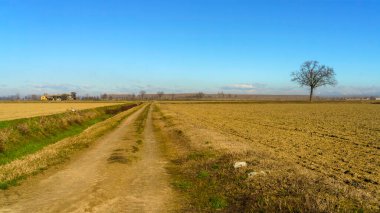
column 108, row 177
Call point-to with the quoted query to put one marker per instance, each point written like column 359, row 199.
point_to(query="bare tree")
column 199, row 95
column 313, row 75
column 104, row 96
column 142, row 94
column 220, row 94
column 160, row 94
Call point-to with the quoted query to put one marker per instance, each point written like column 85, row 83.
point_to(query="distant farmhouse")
column 372, row 98
column 62, row 97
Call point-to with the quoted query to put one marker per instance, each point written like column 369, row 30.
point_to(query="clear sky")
column 234, row 46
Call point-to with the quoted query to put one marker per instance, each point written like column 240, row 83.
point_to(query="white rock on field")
column 240, row 164
column 251, row 174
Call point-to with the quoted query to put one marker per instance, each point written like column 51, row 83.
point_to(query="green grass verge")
column 36, row 144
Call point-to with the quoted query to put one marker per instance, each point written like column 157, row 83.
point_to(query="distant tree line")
column 11, row 97
column 160, row 95
column 144, row 96
column 188, row 96
column 17, row 97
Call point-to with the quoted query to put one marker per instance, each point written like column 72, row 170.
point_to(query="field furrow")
column 334, row 140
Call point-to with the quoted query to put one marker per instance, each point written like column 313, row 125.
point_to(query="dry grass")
column 9, row 111
column 4, row 136
column 317, row 157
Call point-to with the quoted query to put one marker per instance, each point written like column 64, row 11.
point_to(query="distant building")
column 358, row 99
column 61, row 97
column 44, row 98
column 373, row 98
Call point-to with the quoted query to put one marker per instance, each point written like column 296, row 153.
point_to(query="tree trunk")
column 311, row 94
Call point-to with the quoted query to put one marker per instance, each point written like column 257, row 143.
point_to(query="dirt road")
column 115, row 175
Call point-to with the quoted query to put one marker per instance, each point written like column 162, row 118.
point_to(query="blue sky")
column 186, row 45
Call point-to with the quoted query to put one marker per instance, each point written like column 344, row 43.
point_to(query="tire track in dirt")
column 108, row 177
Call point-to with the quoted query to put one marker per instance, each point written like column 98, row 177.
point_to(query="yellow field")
column 9, row 111
column 338, row 142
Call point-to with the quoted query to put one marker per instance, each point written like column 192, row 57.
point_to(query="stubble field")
column 10, row 111
column 333, row 147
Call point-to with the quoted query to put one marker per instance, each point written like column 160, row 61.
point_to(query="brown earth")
column 115, row 175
